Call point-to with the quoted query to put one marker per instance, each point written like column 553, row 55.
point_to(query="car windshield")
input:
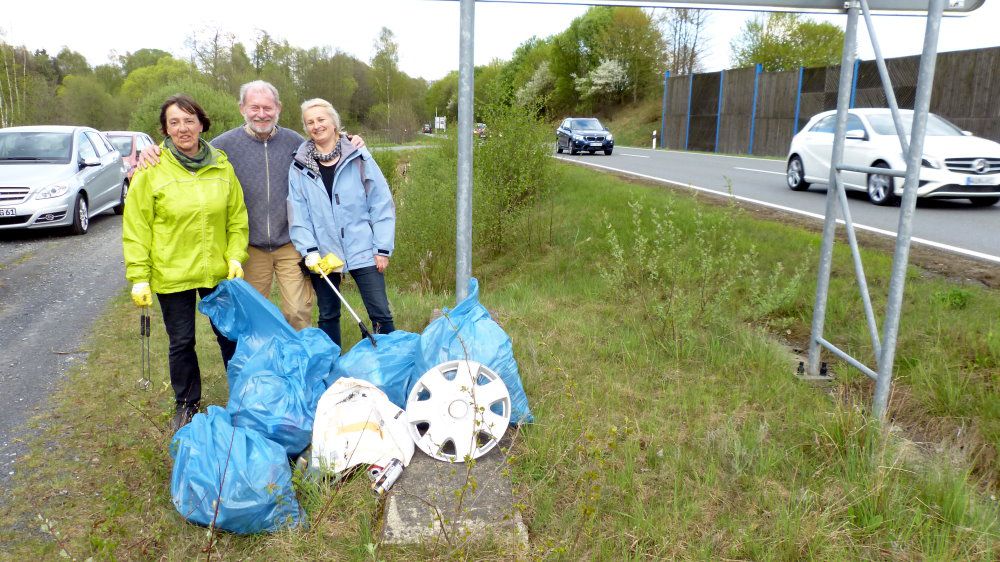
column 936, row 127
column 35, row 146
column 121, row 143
column 587, row 124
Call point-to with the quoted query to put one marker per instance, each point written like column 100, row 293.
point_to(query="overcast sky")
column 426, row 30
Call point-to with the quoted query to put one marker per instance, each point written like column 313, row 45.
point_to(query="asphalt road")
column 953, row 225
column 53, row 286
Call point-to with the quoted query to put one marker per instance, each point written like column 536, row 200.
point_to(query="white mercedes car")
column 956, row 164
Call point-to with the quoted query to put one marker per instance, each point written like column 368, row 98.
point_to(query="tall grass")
column 669, row 425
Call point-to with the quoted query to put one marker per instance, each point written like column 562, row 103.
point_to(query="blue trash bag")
column 252, row 472
column 391, row 366
column 273, row 402
column 243, row 315
column 470, row 323
column 277, row 375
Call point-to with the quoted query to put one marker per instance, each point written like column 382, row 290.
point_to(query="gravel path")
column 52, row 287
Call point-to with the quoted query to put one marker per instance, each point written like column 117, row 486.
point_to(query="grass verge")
column 668, row 421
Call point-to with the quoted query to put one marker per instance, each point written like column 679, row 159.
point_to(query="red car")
column 129, row 144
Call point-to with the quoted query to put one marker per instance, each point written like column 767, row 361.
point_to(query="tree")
column 786, row 41
column 220, row 107
column 385, row 67
column 140, row 82
column 69, row 62
column 684, row 35
column 85, row 101
column 609, row 81
column 633, row 39
column 536, row 91
column 143, row 57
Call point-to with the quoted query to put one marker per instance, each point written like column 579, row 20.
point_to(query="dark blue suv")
column 578, row 134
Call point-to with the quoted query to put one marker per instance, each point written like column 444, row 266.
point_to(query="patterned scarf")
column 194, row 163
column 314, row 156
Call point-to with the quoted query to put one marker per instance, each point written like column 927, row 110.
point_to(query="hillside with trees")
column 609, row 62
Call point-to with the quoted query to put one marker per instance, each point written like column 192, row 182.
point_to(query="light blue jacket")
column 360, row 221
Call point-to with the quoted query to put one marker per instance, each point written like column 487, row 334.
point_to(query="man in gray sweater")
column 261, row 153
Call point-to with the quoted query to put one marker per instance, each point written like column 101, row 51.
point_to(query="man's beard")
column 263, row 129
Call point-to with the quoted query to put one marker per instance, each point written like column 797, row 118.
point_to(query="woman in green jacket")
column 185, row 229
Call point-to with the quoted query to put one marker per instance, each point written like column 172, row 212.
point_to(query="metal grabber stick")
column 364, row 331
column 144, row 332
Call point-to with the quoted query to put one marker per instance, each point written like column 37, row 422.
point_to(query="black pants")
column 178, row 318
column 371, row 285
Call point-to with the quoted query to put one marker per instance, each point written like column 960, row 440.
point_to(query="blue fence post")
column 753, row 108
column 854, row 81
column 687, row 128
column 663, row 114
column 798, row 104
column 718, row 116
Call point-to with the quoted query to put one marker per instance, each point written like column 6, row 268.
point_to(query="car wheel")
column 572, row 150
column 796, row 175
column 607, row 151
column 81, row 219
column 120, row 207
column 984, row 201
column 558, row 147
column 880, row 187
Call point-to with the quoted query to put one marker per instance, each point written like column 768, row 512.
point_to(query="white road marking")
column 761, row 171
column 914, row 239
column 633, row 155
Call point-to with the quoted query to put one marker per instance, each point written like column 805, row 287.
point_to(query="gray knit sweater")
column 262, row 168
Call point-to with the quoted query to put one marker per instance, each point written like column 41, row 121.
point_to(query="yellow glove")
column 330, row 264
column 141, row 295
column 235, row 270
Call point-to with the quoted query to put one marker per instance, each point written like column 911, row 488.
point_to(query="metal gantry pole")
column 663, row 114
column 830, row 224
column 463, row 207
column 921, row 105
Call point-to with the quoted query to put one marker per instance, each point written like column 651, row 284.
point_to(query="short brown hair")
column 187, row 104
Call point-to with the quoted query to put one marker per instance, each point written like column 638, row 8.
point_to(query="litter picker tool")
column 364, row 331
column 144, row 333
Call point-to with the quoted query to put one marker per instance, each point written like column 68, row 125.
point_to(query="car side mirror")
column 89, row 162
column 856, row 134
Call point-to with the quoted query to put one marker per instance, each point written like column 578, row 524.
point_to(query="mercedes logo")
column 981, row 166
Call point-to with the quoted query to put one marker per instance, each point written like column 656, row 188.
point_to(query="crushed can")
column 384, row 477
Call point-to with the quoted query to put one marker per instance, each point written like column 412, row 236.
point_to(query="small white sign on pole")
column 439, row 123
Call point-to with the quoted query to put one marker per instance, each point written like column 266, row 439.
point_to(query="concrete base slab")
column 427, row 504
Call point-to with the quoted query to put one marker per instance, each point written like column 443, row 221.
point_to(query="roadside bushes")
column 512, row 171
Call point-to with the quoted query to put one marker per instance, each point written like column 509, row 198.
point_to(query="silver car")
column 53, row 176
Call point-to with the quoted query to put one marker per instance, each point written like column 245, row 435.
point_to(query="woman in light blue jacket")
column 339, row 203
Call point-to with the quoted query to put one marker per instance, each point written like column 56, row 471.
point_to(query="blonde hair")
column 319, row 102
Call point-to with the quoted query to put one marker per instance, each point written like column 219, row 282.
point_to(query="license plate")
column 8, row 213
column 596, row 144
column 981, row 180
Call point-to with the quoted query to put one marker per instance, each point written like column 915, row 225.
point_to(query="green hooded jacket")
column 181, row 228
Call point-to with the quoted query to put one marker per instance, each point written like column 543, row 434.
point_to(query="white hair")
column 257, row 85
column 319, row 102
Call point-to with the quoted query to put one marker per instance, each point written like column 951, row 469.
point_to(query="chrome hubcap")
column 878, row 187
column 84, row 220
column 794, row 173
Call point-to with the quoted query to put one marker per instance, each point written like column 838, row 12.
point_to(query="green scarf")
column 205, row 156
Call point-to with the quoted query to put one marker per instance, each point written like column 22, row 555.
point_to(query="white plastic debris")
column 357, row 424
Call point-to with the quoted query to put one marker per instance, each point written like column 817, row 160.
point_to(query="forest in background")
column 606, row 59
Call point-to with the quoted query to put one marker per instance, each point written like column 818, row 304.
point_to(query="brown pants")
column 297, row 294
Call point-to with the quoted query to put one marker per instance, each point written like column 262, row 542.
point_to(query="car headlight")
column 55, row 190
column 577, row 137
column 610, row 137
column 931, row 162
